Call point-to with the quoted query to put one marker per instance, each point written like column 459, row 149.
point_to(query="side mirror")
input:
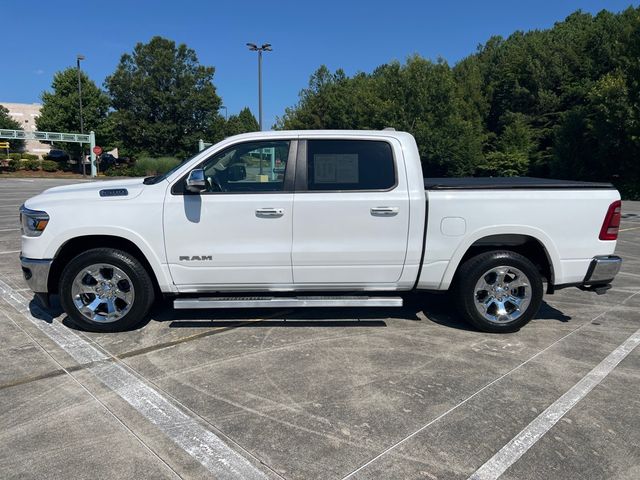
column 236, row 172
column 196, row 182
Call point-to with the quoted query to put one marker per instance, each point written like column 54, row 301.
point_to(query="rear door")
column 351, row 212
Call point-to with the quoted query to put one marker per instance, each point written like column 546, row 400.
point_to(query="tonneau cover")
column 508, row 183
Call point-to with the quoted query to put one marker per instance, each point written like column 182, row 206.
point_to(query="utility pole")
column 266, row 47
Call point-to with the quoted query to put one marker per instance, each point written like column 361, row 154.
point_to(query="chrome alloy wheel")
column 502, row 294
column 102, row 293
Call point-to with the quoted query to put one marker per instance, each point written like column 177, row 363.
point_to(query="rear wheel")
column 105, row 290
column 498, row 291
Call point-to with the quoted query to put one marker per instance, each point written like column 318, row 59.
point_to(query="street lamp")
column 226, row 117
column 266, row 47
column 78, row 59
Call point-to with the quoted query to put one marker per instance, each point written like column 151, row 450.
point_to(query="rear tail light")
column 611, row 224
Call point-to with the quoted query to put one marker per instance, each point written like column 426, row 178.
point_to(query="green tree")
column 164, row 100
column 61, row 110
column 420, row 97
column 547, row 75
column 316, row 106
column 449, row 143
column 597, row 140
column 242, row 123
column 10, row 124
column 514, row 149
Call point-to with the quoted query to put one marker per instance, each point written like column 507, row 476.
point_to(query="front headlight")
column 33, row 222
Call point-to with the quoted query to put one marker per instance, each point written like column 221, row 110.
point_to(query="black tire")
column 142, row 284
column 467, row 298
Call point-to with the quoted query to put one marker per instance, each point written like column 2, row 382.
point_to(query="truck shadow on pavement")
column 418, row 307
column 440, row 309
column 41, row 313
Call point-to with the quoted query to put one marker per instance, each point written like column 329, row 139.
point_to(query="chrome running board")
column 286, row 302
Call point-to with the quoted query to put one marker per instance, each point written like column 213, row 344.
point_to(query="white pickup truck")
column 316, row 219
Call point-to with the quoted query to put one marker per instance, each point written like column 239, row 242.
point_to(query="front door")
column 351, row 213
column 237, row 233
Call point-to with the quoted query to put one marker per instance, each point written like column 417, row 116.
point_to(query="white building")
column 25, row 114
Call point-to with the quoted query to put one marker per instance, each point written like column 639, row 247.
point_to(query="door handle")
column 384, row 211
column 269, row 212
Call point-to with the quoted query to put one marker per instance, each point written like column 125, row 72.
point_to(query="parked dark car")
column 57, row 155
column 106, row 161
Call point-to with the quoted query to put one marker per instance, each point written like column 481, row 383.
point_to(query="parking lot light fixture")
column 265, row 47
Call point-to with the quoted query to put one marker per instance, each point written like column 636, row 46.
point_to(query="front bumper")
column 36, row 273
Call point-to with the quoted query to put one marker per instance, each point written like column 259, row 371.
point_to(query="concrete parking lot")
column 322, row 393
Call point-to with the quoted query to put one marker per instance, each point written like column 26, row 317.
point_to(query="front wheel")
column 105, row 290
column 498, row 291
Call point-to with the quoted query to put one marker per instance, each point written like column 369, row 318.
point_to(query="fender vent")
column 114, row 192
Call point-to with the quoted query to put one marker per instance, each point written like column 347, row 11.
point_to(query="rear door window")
column 350, row 165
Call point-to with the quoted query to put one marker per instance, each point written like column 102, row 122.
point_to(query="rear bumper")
column 602, row 270
column 36, row 273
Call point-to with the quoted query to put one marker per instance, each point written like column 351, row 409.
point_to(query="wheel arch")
column 77, row 245
column 532, row 245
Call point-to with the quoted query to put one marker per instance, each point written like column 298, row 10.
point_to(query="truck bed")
column 508, row 183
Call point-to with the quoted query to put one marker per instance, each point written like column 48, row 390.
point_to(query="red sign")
column 97, row 150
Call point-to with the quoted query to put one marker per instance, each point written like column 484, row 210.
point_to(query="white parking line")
column 9, row 251
column 199, row 442
column 518, row 446
column 9, row 229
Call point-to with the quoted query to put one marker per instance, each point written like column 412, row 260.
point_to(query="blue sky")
column 44, row 36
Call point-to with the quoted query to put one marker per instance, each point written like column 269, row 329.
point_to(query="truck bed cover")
column 508, row 183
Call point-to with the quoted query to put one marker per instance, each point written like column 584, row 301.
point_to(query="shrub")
column 33, row 165
column 143, row 167
column 50, row 166
column 15, row 156
column 30, row 156
column 154, row 166
column 165, row 164
column 135, row 171
column 14, row 165
column 117, row 171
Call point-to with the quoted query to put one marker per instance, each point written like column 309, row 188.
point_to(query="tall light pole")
column 226, row 116
column 78, row 59
column 266, row 47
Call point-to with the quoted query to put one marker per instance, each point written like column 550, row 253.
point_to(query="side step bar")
column 287, row 302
